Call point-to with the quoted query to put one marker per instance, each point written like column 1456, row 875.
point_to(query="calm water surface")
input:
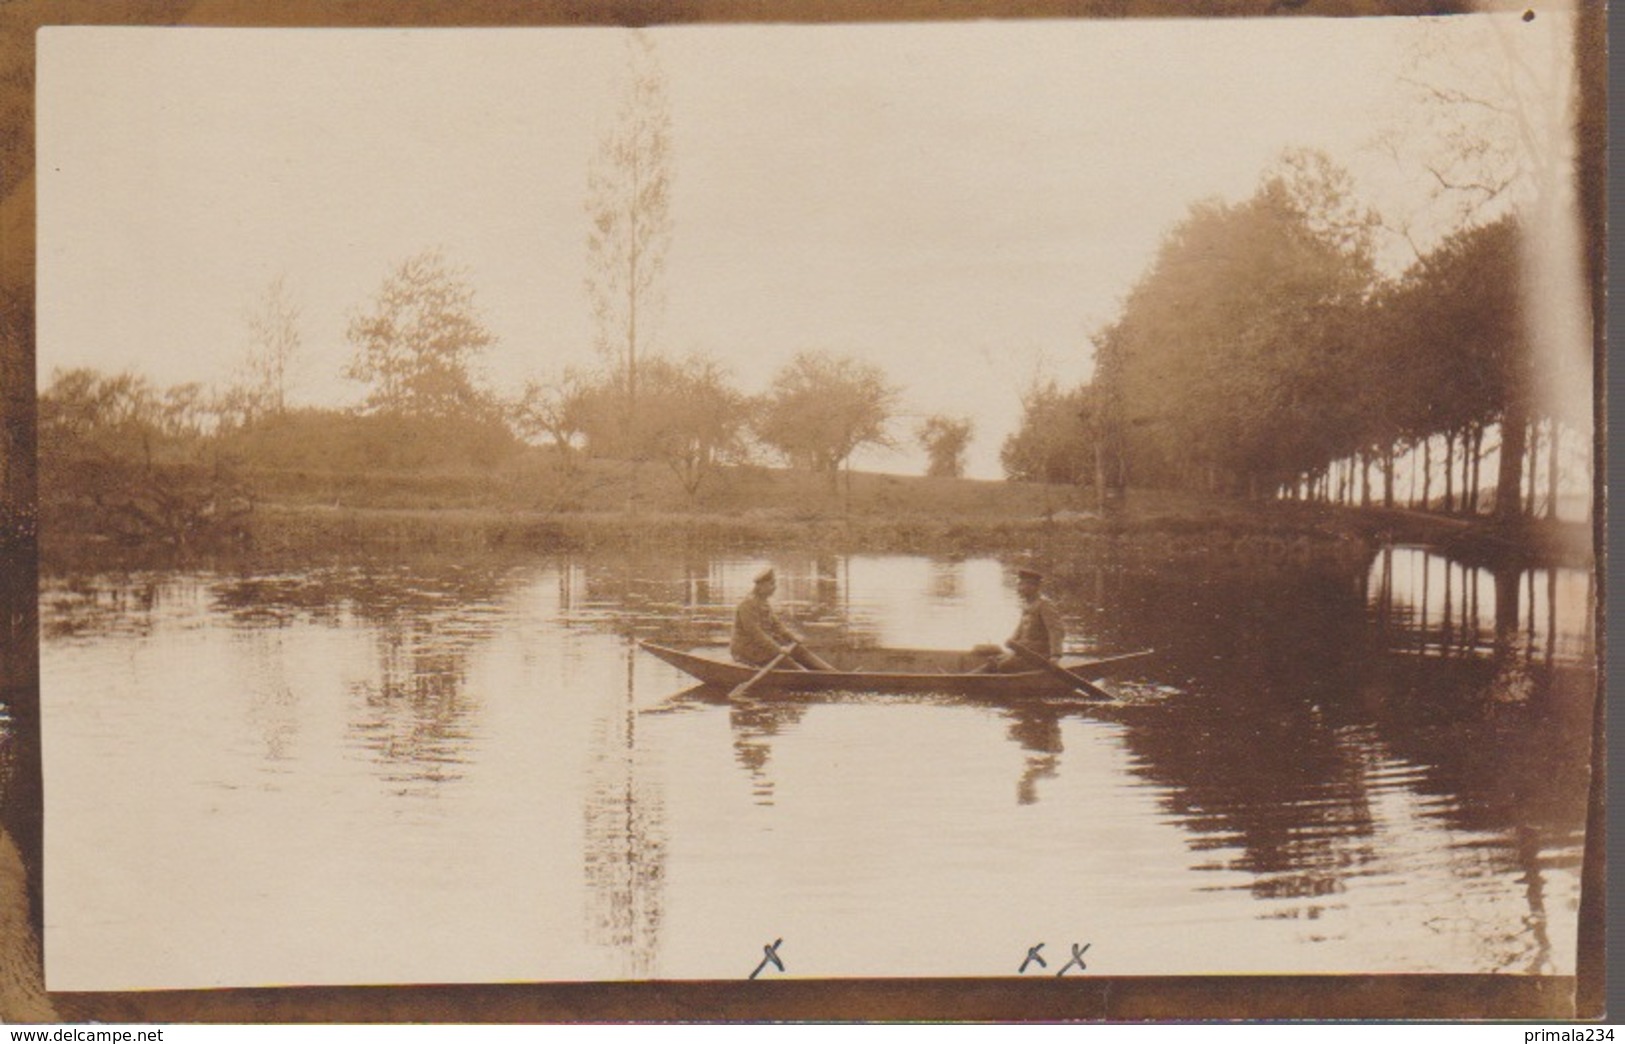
column 429, row 772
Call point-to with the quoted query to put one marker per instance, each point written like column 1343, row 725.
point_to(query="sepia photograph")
column 848, row 501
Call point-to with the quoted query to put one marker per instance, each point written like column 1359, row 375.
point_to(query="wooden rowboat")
column 886, row 670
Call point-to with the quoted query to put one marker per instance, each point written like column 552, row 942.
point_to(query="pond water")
column 445, row 772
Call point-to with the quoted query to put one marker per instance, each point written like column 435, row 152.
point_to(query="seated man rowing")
column 759, row 637
column 1041, row 629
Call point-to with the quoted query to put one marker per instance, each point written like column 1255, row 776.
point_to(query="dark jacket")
column 758, row 635
column 1041, row 628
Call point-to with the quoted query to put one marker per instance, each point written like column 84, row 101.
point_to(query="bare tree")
column 1503, row 108
column 273, row 344
column 1488, row 109
column 629, row 225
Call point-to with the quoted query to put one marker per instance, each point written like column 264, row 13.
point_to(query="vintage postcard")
column 1042, row 501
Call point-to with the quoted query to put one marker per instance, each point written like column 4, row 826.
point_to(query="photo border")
column 1087, row 998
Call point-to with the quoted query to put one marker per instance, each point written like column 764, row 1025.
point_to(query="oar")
column 1082, row 685
column 1102, row 661
column 745, row 686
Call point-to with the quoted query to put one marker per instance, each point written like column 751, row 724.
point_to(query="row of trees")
column 686, row 412
column 1263, row 353
column 416, row 347
column 819, row 411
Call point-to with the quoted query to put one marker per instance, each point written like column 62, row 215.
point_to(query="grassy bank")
column 1160, row 527
column 285, row 528
column 298, row 515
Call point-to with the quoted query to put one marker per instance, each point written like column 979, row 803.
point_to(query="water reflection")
column 947, row 579
column 625, row 850
column 1428, row 604
column 754, row 723
column 416, row 717
column 1295, row 726
column 413, row 713
column 273, row 705
column 1381, row 760
column 1327, row 718
column 1037, row 730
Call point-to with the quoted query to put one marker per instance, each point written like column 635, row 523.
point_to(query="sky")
column 960, row 203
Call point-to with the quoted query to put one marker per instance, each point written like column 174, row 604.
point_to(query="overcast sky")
column 961, row 203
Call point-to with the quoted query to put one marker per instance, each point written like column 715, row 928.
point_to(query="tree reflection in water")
column 625, row 843
column 1309, row 697
column 418, row 718
column 414, row 714
column 1312, row 727
column 1317, row 712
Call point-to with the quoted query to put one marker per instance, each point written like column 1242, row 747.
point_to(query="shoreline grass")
column 303, row 517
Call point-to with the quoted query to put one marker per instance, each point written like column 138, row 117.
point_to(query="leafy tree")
column 1448, row 350
column 1233, row 362
column 692, row 418
column 1052, row 444
column 1508, row 122
column 821, row 408
column 629, row 226
column 186, row 411
column 125, row 460
column 415, row 346
column 86, row 412
column 944, row 440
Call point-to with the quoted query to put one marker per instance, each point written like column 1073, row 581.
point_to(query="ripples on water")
column 432, row 772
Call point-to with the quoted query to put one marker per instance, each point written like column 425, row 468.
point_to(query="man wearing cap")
column 1041, row 628
column 759, row 637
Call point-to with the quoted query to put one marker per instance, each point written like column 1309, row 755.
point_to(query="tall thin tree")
column 273, row 345
column 629, row 226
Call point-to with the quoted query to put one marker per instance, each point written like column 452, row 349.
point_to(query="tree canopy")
column 417, row 343
column 1234, row 354
column 821, row 408
column 945, row 440
column 1052, row 444
column 629, row 226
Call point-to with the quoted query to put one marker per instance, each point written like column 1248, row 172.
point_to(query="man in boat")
column 760, row 637
column 1041, row 628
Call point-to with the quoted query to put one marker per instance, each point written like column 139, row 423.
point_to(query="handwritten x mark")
column 771, row 957
column 1077, row 958
column 1033, row 955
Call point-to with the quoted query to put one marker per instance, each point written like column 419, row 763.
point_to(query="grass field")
column 535, row 505
column 766, row 508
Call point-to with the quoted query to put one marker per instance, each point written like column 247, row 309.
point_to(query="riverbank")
column 298, row 518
